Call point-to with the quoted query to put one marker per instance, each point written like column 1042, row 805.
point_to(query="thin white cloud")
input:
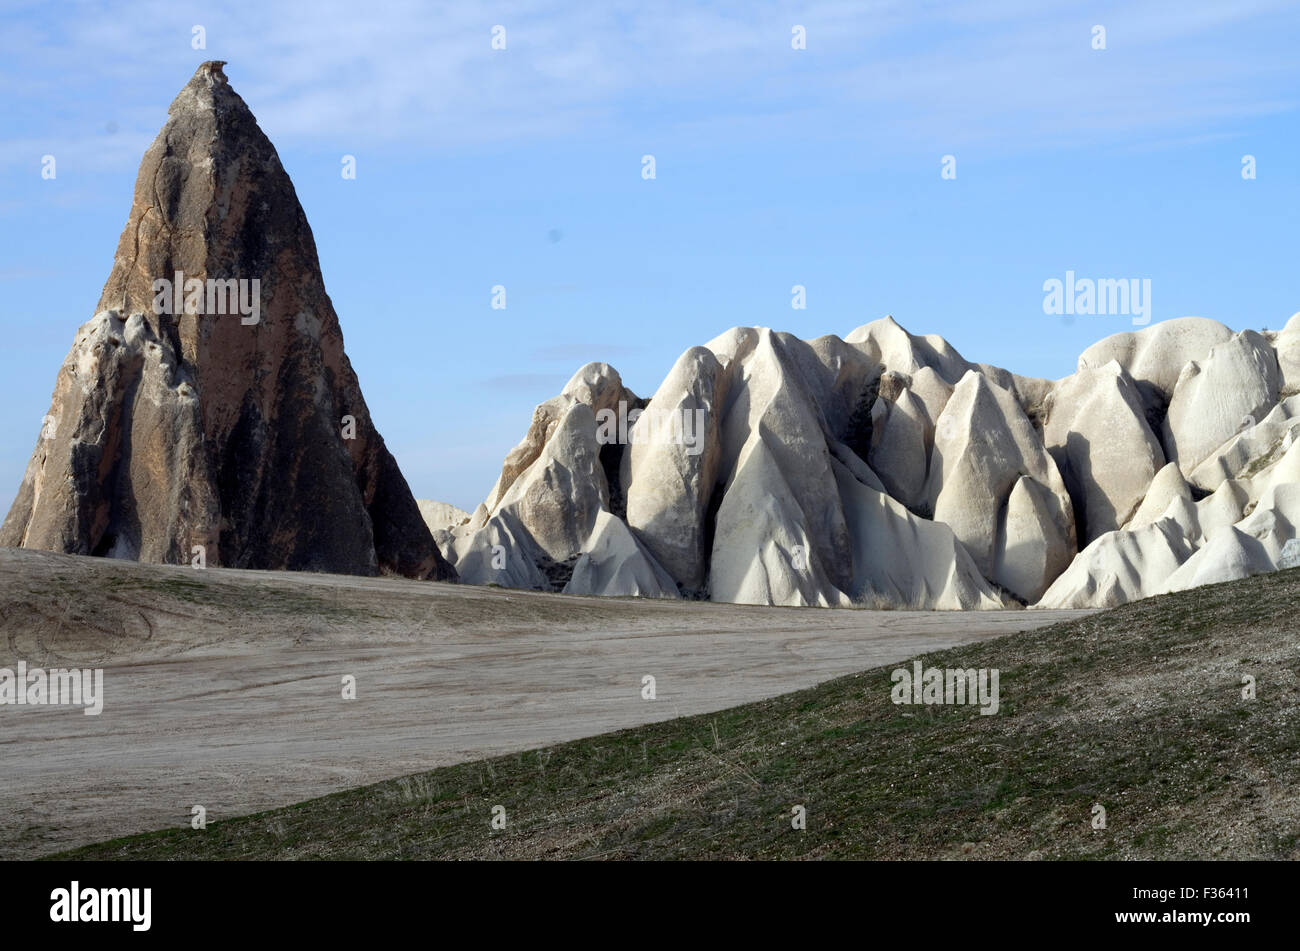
column 421, row 76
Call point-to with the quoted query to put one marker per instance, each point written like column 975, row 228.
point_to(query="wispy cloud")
column 424, row 77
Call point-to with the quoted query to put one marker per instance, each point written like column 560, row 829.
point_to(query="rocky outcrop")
column 1286, row 344
column 780, row 498
column 1033, row 546
column 984, row 447
column 222, row 413
column 743, row 479
column 1156, row 355
column 548, row 523
column 1254, row 446
column 1096, row 430
column 902, row 560
column 1120, row 567
column 1167, row 486
column 885, row 469
column 222, row 416
column 902, row 435
column 1232, row 388
column 1240, row 529
column 668, row 485
column 614, row 562
column 439, row 516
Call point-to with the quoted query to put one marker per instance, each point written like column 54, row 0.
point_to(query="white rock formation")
column 1031, row 549
column 1167, row 485
column 1255, row 445
column 1120, row 567
column 440, row 515
column 983, row 445
column 1225, row 507
column 932, row 390
column 615, row 563
column 1229, row 556
column 1157, row 354
column 1233, row 387
column 903, row 560
column 1096, row 430
column 1286, row 343
column 901, row 436
column 669, row 485
column 885, row 469
column 780, row 499
column 546, row 524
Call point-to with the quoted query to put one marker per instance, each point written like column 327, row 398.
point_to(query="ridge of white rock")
column 1156, row 355
column 885, row 469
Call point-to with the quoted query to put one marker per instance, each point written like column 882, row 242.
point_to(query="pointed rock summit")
column 217, row 409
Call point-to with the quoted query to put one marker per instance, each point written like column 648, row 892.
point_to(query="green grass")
column 1138, row 710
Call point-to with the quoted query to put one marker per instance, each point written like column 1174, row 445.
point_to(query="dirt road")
column 224, row 688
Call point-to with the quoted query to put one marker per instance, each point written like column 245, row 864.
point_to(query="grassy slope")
column 1138, row 709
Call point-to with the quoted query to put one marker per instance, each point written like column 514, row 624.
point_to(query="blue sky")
column 775, row 167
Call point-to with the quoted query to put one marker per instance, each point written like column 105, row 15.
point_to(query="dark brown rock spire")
column 215, row 413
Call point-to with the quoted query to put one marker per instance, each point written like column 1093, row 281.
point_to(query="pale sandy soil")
column 223, row 688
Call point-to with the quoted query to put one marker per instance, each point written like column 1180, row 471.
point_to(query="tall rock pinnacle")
column 217, row 409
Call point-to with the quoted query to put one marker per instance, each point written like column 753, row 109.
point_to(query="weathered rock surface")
column 548, row 523
column 1254, row 447
column 1230, row 555
column 1157, row 354
column 244, row 432
column 902, row 560
column 983, row 445
column 1167, row 486
column 880, row 469
column 1233, row 387
column 902, row 433
column 1286, row 343
column 1096, row 430
column 781, row 498
column 440, row 516
column 440, row 519
column 668, row 486
column 1120, row 567
column 614, row 562
column 885, row 469
column 1223, row 508
column 1033, row 546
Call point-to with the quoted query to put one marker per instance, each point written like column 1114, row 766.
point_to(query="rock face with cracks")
column 233, row 422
